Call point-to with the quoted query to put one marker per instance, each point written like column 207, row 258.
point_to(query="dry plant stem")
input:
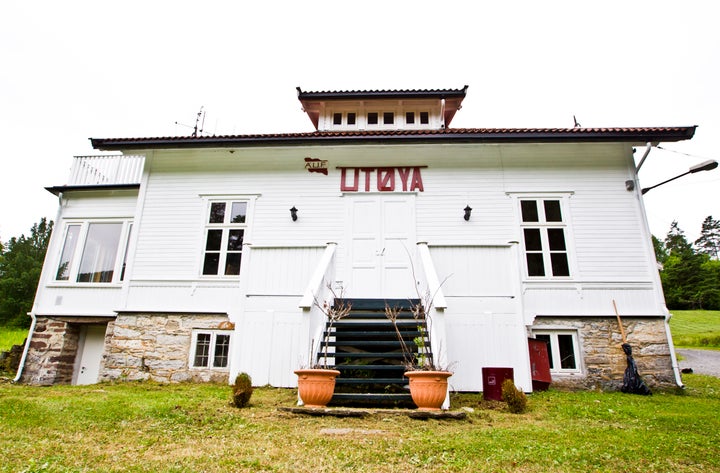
column 392, row 315
column 338, row 310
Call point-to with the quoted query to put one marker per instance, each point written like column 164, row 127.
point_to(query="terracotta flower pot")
column 316, row 386
column 428, row 388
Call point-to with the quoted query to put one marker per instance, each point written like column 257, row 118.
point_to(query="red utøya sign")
column 409, row 178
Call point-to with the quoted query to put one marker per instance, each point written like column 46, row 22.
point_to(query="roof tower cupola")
column 429, row 109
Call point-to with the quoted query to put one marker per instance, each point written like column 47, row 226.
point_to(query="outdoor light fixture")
column 293, row 213
column 468, row 211
column 704, row 166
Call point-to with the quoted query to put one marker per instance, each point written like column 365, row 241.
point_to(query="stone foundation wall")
column 157, row 347
column 52, row 352
column 603, row 360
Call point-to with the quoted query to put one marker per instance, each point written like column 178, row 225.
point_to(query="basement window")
column 210, row 349
column 563, row 349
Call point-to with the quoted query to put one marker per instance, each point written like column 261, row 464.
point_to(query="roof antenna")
column 199, row 123
column 577, row 125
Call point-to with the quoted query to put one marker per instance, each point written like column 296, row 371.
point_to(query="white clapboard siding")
column 601, row 214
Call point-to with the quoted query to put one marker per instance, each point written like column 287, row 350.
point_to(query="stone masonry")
column 52, row 351
column 601, row 355
column 157, row 347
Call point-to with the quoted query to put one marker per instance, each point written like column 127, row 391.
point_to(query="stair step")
column 372, row 399
column 393, row 355
column 355, row 324
column 377, row 315
column 374, row 333
column 399, row 381
column 378, row 304
column 342, row 368
column 370, row 343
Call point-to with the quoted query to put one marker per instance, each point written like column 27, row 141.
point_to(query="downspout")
column 27, row 347
column 31, row 332
column 658, row 283
column 673, row 358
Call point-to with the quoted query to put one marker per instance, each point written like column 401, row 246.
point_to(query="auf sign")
column 385, row 179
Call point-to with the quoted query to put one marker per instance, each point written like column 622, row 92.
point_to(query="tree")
column 681, row 275
column 21, row 262
column 709, row 241
column 675, row 242
column 660, row 253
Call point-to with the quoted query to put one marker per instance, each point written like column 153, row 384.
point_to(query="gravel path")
column 701, row 361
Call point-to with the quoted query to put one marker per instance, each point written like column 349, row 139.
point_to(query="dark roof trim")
column 450, row 135
column 111, row 187
column 381, row 94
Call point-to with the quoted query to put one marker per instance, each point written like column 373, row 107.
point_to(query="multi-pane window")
column 210, row 349
column 224, row 235
column 562, row 350
column 544, row 237
column 94, row 252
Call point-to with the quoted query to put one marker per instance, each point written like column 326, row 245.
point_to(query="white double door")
column 381, row 246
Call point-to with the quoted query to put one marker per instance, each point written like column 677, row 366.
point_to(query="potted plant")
column 428, row 380
column 316, row 384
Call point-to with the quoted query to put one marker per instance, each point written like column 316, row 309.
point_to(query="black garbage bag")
column 632, row 382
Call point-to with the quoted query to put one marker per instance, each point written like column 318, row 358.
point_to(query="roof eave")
column 448, row 136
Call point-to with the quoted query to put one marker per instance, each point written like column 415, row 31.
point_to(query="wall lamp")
column 293, row 213
column 468, row 211
column 704, row 166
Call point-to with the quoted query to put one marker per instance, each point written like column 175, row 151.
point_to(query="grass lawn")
column 696, row 328
column 192, row 427
column 10, row 336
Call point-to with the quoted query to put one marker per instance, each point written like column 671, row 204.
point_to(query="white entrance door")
column 381, row 244
column 90, row 350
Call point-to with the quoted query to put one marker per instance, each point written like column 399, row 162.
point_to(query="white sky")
column 77, row 69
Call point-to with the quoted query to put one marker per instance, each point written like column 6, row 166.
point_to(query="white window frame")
column 120, row 255
column 211, row 350
column 554, row 349
column 225, row 227
column 544, row 225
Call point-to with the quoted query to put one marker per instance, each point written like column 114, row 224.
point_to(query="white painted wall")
column 486, row 294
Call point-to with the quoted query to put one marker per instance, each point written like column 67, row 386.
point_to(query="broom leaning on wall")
column 632, row 382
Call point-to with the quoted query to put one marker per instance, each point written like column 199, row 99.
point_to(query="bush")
column 515, row 398
column 242, row 390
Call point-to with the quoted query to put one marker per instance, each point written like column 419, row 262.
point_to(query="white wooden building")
column 199, row 257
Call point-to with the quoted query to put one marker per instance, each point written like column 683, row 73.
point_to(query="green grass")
column 10, row 336
column 696, row 328
column 192, row 427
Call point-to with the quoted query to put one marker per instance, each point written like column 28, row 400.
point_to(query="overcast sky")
column 78, row 69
